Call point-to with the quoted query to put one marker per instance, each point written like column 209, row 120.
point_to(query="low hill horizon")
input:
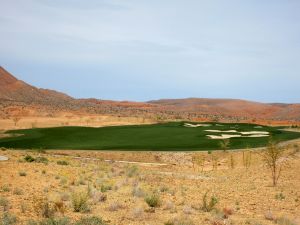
column 18, row 97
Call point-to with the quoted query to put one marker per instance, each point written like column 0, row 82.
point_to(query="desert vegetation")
column 81, row 187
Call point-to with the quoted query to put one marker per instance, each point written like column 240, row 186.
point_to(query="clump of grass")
column 279, row 196
column 90, row 221
column 22, row 174
column 41, row 160
column 138, row 192
column 80, row 202
column 8, row 219
column 62, row 163
column 4, row 203
column 65, row 197
column 43, row 207
column 138, row 212
column 115, row 206
column 51, row 221
column 24, row 207
column 18, row 191
column 153, row 200
column 132, row 171
column 29, row 158
column 284, row 221
column 5, row 188
column 105, row 187
column 208, row 206
column 179, row 221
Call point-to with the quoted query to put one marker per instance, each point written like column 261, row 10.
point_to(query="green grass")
column 166, row 136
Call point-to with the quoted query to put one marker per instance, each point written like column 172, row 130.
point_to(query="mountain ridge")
column 17, row 93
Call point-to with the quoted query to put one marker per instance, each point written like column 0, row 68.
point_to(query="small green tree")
column 273, row 157
column 224, row 144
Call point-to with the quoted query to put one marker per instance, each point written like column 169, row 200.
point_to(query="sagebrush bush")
column 132, row 171
column 29, row 158
column 5, row 188
column 90, row 221
column 105, row 187
column 179, row 221
column 8, row 219
column 51, row 221
column 43, row 207
column 153, row 200
column 41, row 160
column 62, row 163
column 4, row 203
column 18, row 191
column 22, row 174
column 80, row 202
column 284, row 221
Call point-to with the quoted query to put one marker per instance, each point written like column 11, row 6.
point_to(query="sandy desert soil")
column 71, row 120
column 116, row 190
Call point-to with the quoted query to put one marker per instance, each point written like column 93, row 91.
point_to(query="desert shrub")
column 115, row 206
column 4, row 203
column 105, row 187
column 80, row 202
column 90, row 221
column 179, row 221
column 62, row 163
column 153, row 200
column 279, row 196
column 138, row 192
column 59, row 206
column 41, row 160
column 29, row 158
column 132, row 171
column 65, row 197
column 24, row 207
column 43, row 207
column 18, row 191
column 8, row 219
column 138, row 212
column 209, row 206
column 284, row 221
column 51, row 221
column 22, row 174
column 273, row 156
column 169, row 205
column 5, row 188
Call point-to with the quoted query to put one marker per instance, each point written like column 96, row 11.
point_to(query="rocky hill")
column 18, row 97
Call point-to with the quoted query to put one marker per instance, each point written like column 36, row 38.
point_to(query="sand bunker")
column 251, row 134
column 254, row 132
column 224, row 136
column 258, row 135
column 196, row 125
column 223, row 131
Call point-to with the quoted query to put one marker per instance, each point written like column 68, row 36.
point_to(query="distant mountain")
column 16, row 93
column 13, row 89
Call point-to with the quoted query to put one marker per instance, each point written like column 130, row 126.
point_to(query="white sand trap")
column 223, row 136
column 223, row 131
column 196, row 125
column 258, row 127
column 258, row 135
column 219, row 125
column 254, row 132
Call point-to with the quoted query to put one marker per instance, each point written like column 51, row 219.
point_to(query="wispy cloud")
column 201, row 49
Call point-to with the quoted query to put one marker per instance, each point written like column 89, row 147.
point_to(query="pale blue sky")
column 143, row 50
